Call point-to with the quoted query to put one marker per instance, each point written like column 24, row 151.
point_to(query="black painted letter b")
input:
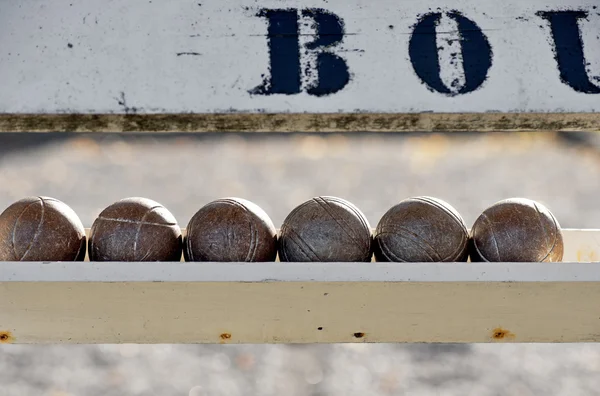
column 284, row 53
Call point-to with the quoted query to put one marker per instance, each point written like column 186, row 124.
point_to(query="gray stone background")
column 278, row 172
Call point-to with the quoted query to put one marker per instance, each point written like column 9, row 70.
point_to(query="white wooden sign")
column 299, row 65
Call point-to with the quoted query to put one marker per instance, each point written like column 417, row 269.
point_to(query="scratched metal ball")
column 135, row 229
column 41, row 229
column 516, row 230
column 231, row 229
column 421, row 229
column 325, row 229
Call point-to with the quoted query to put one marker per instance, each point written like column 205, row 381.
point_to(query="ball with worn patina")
column 41, row 229
column 135, row 229
column 516, row 230
column 421, row 229
column 231, row 230
column 325, row 229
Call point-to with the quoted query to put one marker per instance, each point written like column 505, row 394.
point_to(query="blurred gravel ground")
column 278, row 172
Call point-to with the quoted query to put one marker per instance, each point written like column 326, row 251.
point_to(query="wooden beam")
column 305, row 302
column 297, row 122
column 299, row 303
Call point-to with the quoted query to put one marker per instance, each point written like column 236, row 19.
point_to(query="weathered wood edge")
column 334, row 272
column 301, row 122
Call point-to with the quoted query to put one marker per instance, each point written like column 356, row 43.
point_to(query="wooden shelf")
column 305, row 302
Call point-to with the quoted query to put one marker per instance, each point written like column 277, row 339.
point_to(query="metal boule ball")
column 41, row 229
column 421, row 229
column 231, row 230
column 325, row 229
column 135, row 229
column 517, row 230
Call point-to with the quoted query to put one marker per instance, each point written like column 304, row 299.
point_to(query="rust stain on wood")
column 500, row 334
column 300, row 122
column 6, row 337
column 225, row 337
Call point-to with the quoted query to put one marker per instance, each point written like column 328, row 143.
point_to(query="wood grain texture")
column 293, row 312
column 298, row 122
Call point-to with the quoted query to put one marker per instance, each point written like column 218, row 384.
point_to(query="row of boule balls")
column 322, row 229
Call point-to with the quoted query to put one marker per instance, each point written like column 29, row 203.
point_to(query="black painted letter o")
column 423, row 53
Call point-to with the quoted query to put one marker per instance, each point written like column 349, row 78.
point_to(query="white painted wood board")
column 387, row 65
column 305, row 302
